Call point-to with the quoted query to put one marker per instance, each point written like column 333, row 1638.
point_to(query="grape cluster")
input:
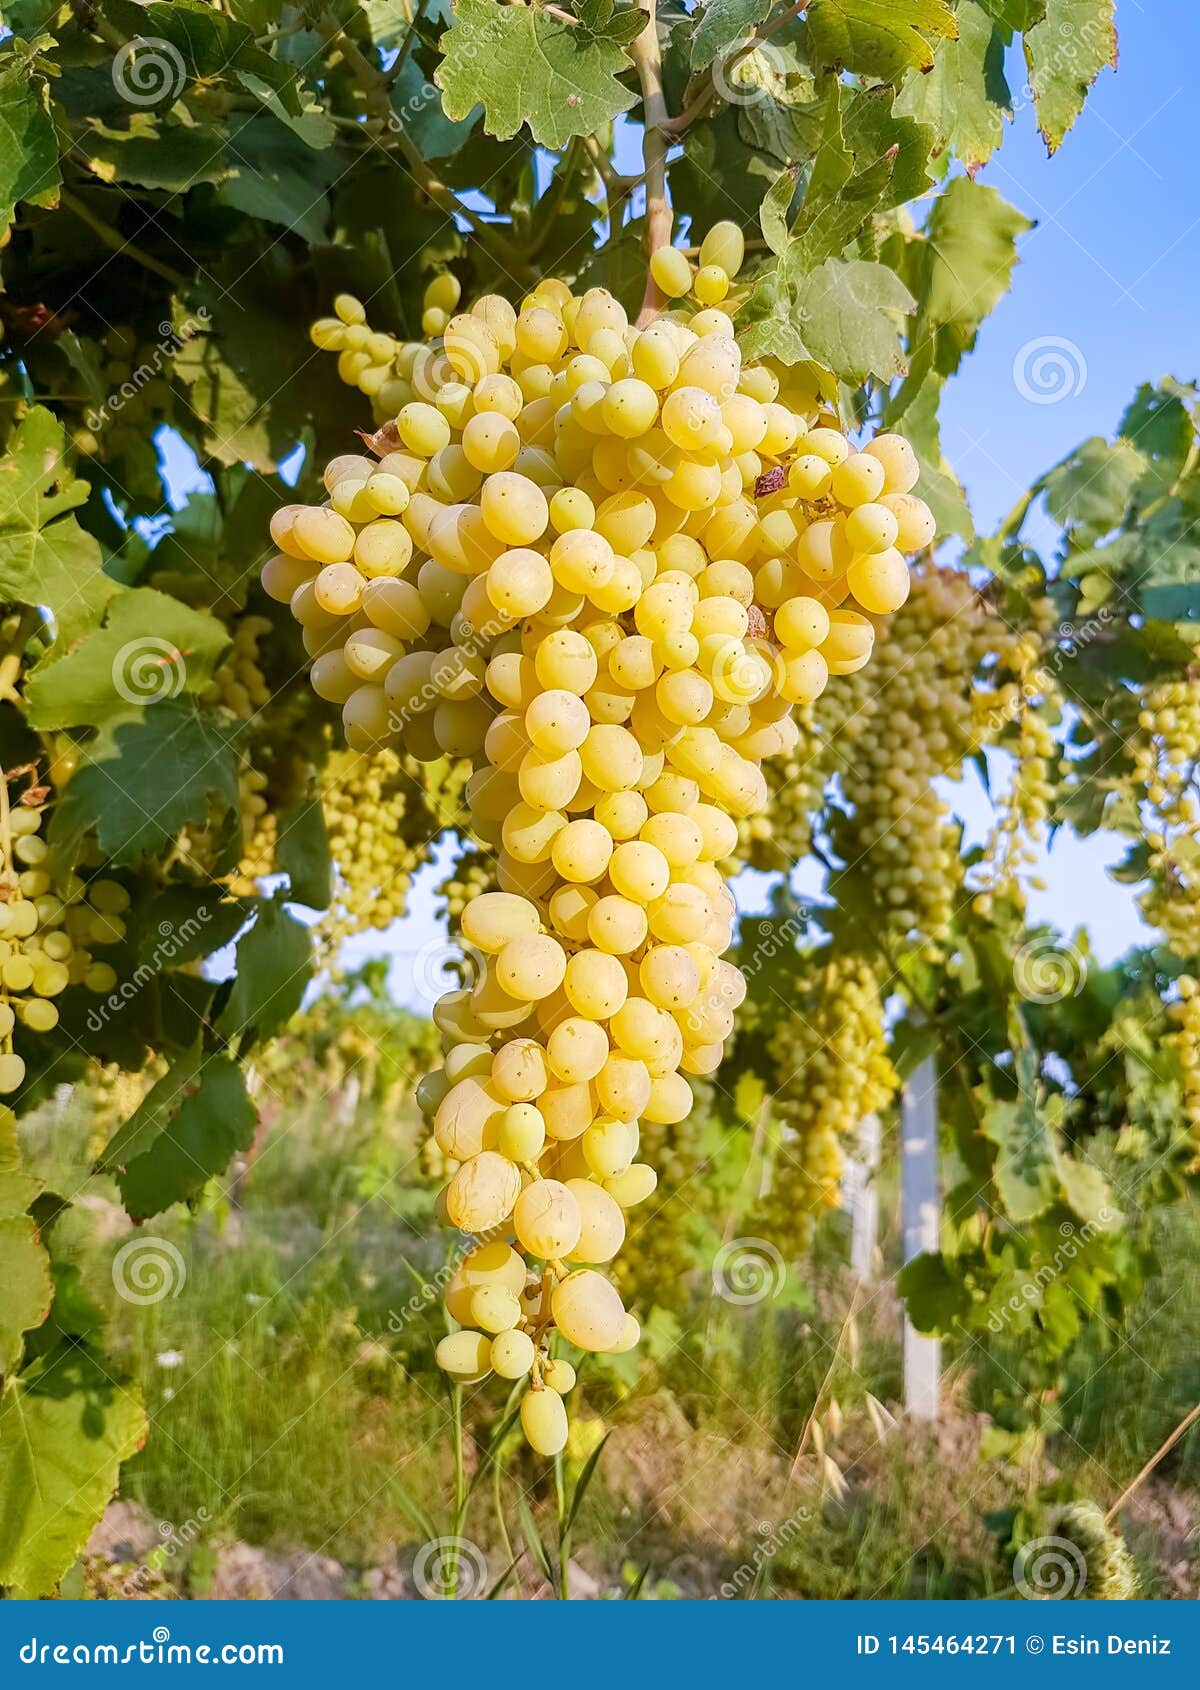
column 831, row 1069
column 1025, row 703
column 238, row 684
column 47, row 924
column 115, row 1093
column 1185, row 1013
column 369, row 818
column 1166, row 758
column 473, row 873
column 603, row 563
column 888, row 734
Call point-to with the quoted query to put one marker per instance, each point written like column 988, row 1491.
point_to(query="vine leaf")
column 46, row 558
column 1065, row 54
column 189, row 1127
column 934, row 1296
column 66, row 1425
column 274, row 965
column 149, row 641
column 526, row 66
column 965, row 96
column 844, row 315
column 206, row 45
column 876, row 37
column 24, row 1270
column 722, row 22
column 168, row 770
column 303, row 853
column 28, row 145
column 1025, row 1171
column 150, row 154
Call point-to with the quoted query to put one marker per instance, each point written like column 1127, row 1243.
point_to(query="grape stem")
column 647, row 56
column 699, row 104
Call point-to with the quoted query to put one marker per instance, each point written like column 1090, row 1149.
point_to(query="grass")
column 294, row 1403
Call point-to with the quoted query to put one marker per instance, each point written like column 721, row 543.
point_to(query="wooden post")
column 862, row 1199
column 921, row 1216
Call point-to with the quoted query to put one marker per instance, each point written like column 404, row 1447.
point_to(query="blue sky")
column 1106, row 287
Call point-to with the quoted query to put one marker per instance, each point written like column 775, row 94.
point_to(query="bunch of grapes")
column 1025, row 704
column 46, row 927
column 603, row 563
column 115, row 1093
column 888, row 734
column 1185, row 1012
column 373, row 842
column 238, row 683
column 831, row 1069
column 1166, row 760
column 473, row 873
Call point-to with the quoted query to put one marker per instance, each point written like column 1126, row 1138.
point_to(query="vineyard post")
column 862, row 1198
column 920, row 1210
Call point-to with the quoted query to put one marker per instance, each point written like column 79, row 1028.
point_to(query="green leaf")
column 190, row 1127
column 1026, row 1166
column 279, row 179
column 876, row 37
column 66, row 1425
column 186, row 922
column 1091, row 490
column 150, row 647
column 850, row 311
column 773, row 212
column 418, row 105
column 252, row 390
column 28, row 145
column 525, row 66
column 303, row 853
column 168, row 770
column 722, row 22
column 203, row 43
column 46, row 558
column 965, row 267
column 935, row 1297
column 388, row 21
column 25, row 1276
column 1065, row 54
column 965, row 96
column 1088, row 1192
column 151, row 153
column 274, row 965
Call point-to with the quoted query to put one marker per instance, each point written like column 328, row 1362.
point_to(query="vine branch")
column 647, row 56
